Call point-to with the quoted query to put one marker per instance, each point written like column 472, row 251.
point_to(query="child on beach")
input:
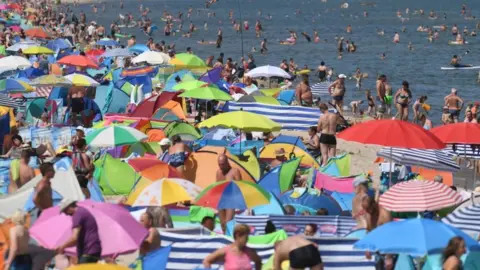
column 371, row 103
column 355, row 106
column 446, row 116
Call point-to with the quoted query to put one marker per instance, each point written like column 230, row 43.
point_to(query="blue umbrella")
column 415, row 237
column 59, row 44
column 107, row 42
column 31, row 72
column 212, row 76
column 117, row 52
column 139, row 48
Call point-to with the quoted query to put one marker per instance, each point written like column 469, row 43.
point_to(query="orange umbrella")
column 37, row 33
column 155, row 135
column 153, row 168
column 78, row 61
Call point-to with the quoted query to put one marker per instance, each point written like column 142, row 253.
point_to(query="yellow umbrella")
column 30, row 9
column 163, row 192
column 245, row 121
column 97, row 266
column 38, row 50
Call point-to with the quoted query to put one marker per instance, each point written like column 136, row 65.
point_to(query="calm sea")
column 421, row 67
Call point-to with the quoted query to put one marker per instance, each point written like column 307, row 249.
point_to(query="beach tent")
column 280, row 178
column 114, row 176
column 186, row 131
column 65, row 183
column 325, row 181
column 59, row 93
column 268, row 152
column 170, row 111
column 293, row 140
column 149, row 106
column 183, row 75
column 342, row 163
column 201, row 168
column 111, row 99
column 273, row 208
column 155, row 135
column 303, row 200
column 343, row 199
column 35, row 109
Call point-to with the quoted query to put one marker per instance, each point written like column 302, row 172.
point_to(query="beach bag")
column 78, row 164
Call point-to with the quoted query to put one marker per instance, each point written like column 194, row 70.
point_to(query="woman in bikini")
column 178, row 153
column 403, row 98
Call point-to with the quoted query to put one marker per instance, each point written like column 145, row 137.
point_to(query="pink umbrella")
column 419, row 196
column 3, row 7
column 119, row 232
column 15, row 28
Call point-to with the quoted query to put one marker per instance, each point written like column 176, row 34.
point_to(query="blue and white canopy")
column 430, row 159
column 466, row 219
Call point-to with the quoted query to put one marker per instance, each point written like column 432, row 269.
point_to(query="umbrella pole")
column 390, row 171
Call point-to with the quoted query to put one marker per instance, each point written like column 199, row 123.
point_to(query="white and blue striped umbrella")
column 430, row 159
column 320, row 89
column 466, row 219
column 463, row 150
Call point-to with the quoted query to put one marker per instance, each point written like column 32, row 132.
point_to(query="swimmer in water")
column 410, row 46
column 349, row 29
column 396, row 38
column 383, row 56
column 365, row 14
column 246, row 26
column 454, row 30
column 263, row 46
column 316, row 38
column 307, row 37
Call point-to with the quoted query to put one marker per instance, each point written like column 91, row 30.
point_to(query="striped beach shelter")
column 430, row 159
column 320, row 89
column 466, row 219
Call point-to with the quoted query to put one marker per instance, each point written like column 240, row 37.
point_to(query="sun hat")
column 65, row 203
column 342, row 76
column 80, row 128
column 165, row 142
column 279, row 152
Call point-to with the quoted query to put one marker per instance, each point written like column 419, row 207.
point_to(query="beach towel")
column 197, row 213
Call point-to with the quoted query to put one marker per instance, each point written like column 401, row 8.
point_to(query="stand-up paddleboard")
column 459, row 68
column 451, row 42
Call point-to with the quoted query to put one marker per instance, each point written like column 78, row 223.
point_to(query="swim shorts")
column 388, row 100
column 77, row 105
column 304, row 257
column 338, row 98
column 328, row 139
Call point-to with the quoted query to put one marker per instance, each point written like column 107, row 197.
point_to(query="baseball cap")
column 80, row 128
column 342, row 76
column 165, row 142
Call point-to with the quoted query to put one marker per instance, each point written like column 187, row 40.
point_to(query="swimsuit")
column 177, row 159
column 236, row 261
column 77, row 105
column 328, row 139
column 454, row 112
column 304, row 257
column 322, row 74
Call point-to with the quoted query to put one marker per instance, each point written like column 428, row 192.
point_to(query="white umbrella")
column 268, row 71
column 152, row 58
column 22, row 46
column 14, row 62
column 117, row 52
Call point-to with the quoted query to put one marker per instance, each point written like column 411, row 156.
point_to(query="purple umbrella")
column 212, row 76
column 119, row 232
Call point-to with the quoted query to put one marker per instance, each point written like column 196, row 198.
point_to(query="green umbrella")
column 112, row 136
column 189, row 85
column 186, row 60
column 207, row 93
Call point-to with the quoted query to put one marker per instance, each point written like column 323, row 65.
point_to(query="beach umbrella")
column 15, row 6
column 119, row 232
column 152, row 58
column 114, row 136
column 183, row 75
column 164, row 192
column 77, row 61
column 14, row 62
column 95, row 53
column 10, row 85
column 321, row 89
column 188, row 61
column 81, row 80
column 466, row 219
column 280, row 178
column 470, row 151
column 50, row 80
column 212, row 76
column 59, row 44
column 153, row 168
column 22, row 45
column 207, row 93
column 233, row 195
column 267, row 71
column 431, row 159
column 189, row 85
column 97, row 266
column 37, row 33
column 137, row 71
column 416, row 237
column 117, row 52
column 107, row 42
column 245, row 121
column 419, row 196
column 461, row 133
column 138, row 48
column 38, row 50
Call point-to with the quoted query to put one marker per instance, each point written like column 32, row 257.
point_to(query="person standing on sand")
column 454, row 104
column 360, row 183
column 42, row 197
column 338, row 92
column 301, row 252
column 152, row 242
column 327, row 126
column 226, row 172
column 24, row 174
column 303, row 93
column 403, row 97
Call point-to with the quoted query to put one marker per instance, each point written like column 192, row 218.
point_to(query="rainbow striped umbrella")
column 137, row 71
column 233, row 195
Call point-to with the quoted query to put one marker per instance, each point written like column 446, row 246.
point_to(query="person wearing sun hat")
column 337, row 90
column 85, row 234
column 279, row 158
column 165, row 143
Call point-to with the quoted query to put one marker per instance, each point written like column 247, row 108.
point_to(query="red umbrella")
column 14, row 6
column 392, row 133
column 419, row 196
column 37, row 33
column 464, row 133
column 78, row 61
column 94, row 52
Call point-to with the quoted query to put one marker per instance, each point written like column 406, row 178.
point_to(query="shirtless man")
column 454, row 104
column 338, row 92
column 226, row 172
column 303, row 93
column 322, row 72
column 301, row 252
column 361, row 189
column 381, row 91
column 76, row 95
column 152, row 242
column 43, row 191
column 327, row 125
column 25, row 172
